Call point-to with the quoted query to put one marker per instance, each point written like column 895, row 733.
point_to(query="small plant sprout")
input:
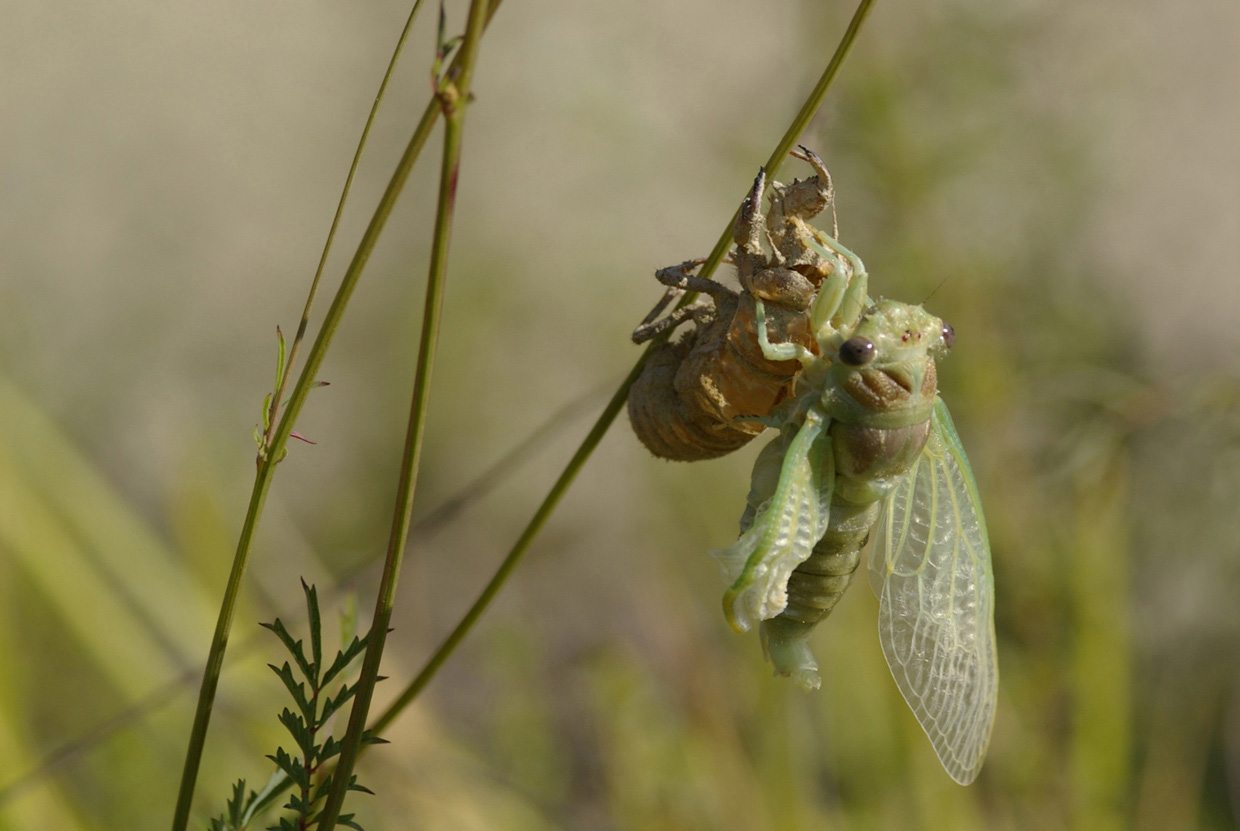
column 315, row 704
column 271, row 409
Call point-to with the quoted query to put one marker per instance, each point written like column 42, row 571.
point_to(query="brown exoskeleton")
column 704, row 395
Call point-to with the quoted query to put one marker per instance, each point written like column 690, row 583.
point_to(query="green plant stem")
column 454, row 96
column 274, row 410
column 262, row 482
column 219, row 643
column 605, row 419
column 314, row 358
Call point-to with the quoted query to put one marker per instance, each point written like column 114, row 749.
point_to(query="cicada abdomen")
column 865, row 461
column 701, row 397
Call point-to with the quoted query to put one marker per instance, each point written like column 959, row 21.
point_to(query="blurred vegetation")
column 604, row 690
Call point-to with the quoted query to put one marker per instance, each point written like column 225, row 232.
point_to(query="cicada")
column 698, row 398
column 867, row 448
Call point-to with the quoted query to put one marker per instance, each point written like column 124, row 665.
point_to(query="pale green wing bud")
column 784, row 530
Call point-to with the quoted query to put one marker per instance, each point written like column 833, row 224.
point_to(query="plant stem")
column 454, row 96
column 262, row 481
column 331, row 232
column 605, row 419
column 816, row 96
column 219, row 643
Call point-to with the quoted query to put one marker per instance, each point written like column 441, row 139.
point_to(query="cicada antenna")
column 942, row 283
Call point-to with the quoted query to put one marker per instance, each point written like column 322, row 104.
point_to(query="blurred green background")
column 1061, row 181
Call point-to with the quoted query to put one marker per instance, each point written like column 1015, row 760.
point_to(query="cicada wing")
column 930, row 567
column 784, row 530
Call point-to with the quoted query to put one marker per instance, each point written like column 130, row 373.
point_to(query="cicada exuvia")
column 703, row 396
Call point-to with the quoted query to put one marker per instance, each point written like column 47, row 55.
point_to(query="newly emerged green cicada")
column 866, row 446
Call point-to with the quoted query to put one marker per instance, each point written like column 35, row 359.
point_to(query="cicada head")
column 885, row 367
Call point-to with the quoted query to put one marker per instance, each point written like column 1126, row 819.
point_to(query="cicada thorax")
column 700, row 398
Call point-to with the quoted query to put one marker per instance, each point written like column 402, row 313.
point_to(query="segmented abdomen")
column 818, row 583
column 692, row 396
column 668, row 424
column 864, row 458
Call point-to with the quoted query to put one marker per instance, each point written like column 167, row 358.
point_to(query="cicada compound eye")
column 856, row 351
column 949, row 335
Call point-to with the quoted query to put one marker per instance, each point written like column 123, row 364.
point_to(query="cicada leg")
column 811, row 197
column 767, row 277
column 792, row 207
column 843, row 295
column 678, row 281
column 698, row 311
column 748, row 231
column 855, row 297
column 778, row 351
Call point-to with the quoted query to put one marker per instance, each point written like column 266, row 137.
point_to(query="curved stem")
column 535, row 525
column 454, row 96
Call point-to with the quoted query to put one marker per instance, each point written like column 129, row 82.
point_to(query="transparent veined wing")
column 784, row 531
column 930, row 567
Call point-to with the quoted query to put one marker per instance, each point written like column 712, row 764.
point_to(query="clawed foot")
column 679, row 279
column 811, row 197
